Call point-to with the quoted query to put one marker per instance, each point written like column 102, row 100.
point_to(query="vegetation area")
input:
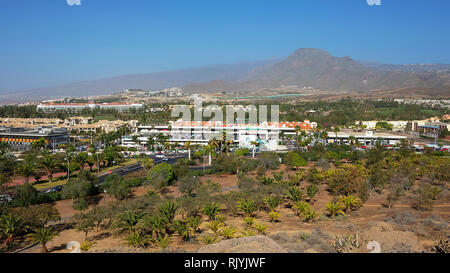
column 206, row 214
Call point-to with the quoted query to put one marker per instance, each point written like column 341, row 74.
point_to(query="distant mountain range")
column 305, row 67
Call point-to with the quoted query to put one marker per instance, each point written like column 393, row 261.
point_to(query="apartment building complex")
column 76, row 107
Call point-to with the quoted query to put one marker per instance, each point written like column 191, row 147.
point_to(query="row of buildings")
column 78, row 124
column 77, row 107
column 430, row 127
column 266, row 134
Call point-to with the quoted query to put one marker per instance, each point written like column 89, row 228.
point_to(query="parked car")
column 54, row 189
column 5, row 198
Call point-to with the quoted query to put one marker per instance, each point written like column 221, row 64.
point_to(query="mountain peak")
column 313, row 52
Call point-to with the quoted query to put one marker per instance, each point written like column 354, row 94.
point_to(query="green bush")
column 161, row 175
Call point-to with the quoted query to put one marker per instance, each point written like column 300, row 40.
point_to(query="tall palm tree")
column 254, row 145
column 81, row 158
column 151, row 143
column 51, row 165
column 336, row 130
column 324, row 135
column 135, row 139
column 281, row 136
column 208, row 150
column 187, row 144
column 352, row 140
column 27, row 169
column 228, row 144
column 42, row 236
column 214, row 143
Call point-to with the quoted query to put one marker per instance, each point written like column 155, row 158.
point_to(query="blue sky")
column 47, row 42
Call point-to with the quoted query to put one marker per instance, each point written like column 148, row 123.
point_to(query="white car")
column 5, row 198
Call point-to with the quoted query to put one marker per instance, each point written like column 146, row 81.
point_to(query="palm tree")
column 135, row 139
column 187, row 145
column 27, row 169
column 91, row 162
column 336, row 130
column 299, row 135
column 10, row 225
column 151, row 143
column 167, row 210
column 130, row 219
column 161, row 139
column 50, row 165
column 208, row 150
column 312, row 190
column 254, row 145
column 324, row 136
column 228, row 144
column 42, row 236
column 352, row 140
column 5, row 180
column 248, row 206
column 211, row 210
column 281, row 136
column 214, row 144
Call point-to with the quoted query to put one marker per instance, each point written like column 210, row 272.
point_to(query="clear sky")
column 48, row 42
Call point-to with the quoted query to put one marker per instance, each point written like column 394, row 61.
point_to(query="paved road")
column 122, row 171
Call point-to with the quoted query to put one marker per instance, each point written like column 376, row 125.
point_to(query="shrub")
column 188, row 184
column 294, row 160
column 312, row 190
column 25, row 195
column 115, row 185
column 261, row 228
column 351, row 202
column 302, row 207
column 248, row 206
column 211, row 210
column 323, row 163
column 164, row 241
column 350, row 244
column 405, row 218
column 248, row 233
column 86, row 245
column 225, row 163
column 215, row 226
column 249, row 221
column 274, row 216
column 269, row 160
column 335, row 208
column 229, row 232
column 193, row 222
column 167, row 210
column 273, row 202
column 209, row 239
column 346, row 180
column 265, row 180
column 161, row 175
column 310, row 215
column 183, row 229
column 295, row 194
